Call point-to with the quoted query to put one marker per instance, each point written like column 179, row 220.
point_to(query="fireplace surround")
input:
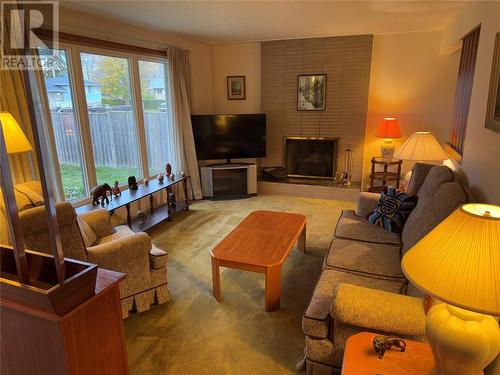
column 310, row 157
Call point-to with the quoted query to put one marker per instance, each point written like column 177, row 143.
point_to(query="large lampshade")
column 421, row 146
column 388, row 128
column 458, row 262
column 15, row 140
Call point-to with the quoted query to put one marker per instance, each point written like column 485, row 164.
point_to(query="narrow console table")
column 155, row 214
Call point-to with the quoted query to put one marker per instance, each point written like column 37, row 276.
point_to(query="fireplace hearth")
column 309, row 157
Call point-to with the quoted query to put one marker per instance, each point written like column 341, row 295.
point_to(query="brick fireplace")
column 310, row 157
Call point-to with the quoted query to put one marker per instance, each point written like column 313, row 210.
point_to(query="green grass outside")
column 72, row 178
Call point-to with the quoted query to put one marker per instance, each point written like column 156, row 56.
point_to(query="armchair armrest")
column 100, row 222
column 378, row 310
column 366, row 202
column 128, row 254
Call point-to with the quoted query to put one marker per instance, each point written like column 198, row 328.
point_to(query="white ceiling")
column 243, row 21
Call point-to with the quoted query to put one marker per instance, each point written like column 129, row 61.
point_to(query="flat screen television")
column 229, row 136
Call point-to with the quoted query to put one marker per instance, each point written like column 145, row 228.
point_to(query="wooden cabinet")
column 89, row 339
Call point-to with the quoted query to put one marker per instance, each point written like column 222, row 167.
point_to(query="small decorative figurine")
column 172, row 176
column 160, row 178
column 132, row 183
column 116, row 190
column 141, row 215
column 168, row 170
column 146, row 181
column 382, row 343
column 182, row 174
column 100, row 191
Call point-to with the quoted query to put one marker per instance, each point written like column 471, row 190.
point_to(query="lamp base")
column 387, row 149
column 462, row 342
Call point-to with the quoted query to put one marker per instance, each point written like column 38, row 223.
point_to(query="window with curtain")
column 109, row 116
column 463, row 92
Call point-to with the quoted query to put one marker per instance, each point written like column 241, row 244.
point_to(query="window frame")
column 75, row 73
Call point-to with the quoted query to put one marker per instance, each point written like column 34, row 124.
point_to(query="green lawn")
column 72, row 178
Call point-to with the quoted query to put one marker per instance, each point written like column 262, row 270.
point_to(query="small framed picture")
column 311, row 92
column 236, row 88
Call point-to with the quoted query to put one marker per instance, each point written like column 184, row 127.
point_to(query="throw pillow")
column 392, row 210
column 88, row 235
column 26, row 198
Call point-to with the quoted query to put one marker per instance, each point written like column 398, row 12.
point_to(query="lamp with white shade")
column 458, row 262
column 421, row 146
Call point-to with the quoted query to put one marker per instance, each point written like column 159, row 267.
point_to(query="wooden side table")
column 89, row 339
column 385, row 175
column 360, row 358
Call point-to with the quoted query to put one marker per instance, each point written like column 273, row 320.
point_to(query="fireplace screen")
column 310, row 157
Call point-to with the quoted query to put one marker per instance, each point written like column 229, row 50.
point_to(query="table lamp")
column 458, row 262
column 421, row 146
column 388, row 129
column 15, row 140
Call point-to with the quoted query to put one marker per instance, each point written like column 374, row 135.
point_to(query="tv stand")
column 229, row 181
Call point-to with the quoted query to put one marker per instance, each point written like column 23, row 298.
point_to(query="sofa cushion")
column 28, row 194
column 418, row 174
column 157, row 258
column 316, row 319
column 365, row 257
column 358, row 228
column 437, row 176
column 392, row 210
column 429, row 213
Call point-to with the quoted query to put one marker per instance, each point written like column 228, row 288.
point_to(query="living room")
column 348, row 151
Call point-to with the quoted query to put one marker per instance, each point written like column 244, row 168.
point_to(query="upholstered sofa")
column 362, row 287
column 92, row 238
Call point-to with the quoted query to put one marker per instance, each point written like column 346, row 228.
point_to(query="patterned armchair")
column 91, row 237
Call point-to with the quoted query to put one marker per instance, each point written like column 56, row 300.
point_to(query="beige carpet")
column 193, row 334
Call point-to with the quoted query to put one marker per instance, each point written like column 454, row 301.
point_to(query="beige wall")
column 96, row 26
column 481, row 159
column 236, row 60
column 412, row 81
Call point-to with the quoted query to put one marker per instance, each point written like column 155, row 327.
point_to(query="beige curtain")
column 183, row 150
column 13, row 100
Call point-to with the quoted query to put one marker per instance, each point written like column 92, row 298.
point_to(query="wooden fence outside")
column 114, row 138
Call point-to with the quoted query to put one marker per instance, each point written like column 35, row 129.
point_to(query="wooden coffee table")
column 260, row 243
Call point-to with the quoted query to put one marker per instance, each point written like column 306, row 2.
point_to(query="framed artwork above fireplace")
column 311, row 92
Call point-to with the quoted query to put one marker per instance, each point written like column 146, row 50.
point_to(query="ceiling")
column 245, row 21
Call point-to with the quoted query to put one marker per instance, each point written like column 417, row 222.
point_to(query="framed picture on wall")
column 493, row 109
column 236, row 88
column 311, row 92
